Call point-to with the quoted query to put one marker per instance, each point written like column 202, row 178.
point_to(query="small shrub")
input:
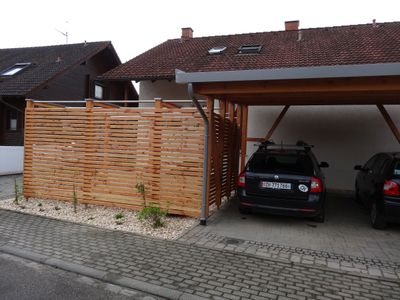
column 57, row 208
column 141, row 189
column 90, row 218
column 17, row 193
column 41, row 209
column 74, row 198
column 153, row 214
column 119, row 216
column 40, row 204
column 119, row 222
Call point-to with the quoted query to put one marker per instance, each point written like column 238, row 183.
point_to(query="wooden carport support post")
column 389, row 121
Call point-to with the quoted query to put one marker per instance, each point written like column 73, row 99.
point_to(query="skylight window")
column 217, row 50
column 247, row 49
column 14, row 69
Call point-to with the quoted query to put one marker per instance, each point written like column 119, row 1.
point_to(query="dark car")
column 284, row 180
column 377, row 187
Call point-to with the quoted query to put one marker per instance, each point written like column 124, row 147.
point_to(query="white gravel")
column 102, row 216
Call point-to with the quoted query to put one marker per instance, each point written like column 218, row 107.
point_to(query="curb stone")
column 101, row 275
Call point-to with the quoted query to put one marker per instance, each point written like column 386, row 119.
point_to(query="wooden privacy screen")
column 224, row 149
column 104, row 152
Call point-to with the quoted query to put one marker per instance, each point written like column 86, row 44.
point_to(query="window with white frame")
column 98, row 91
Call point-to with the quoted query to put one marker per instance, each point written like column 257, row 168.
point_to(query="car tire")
column 377, row 218
column 357, row 196
column 320, row 218
column 244, row 211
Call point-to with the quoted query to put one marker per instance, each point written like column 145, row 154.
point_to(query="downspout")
column 203, row 217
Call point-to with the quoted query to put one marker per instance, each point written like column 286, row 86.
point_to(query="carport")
column 363, row 84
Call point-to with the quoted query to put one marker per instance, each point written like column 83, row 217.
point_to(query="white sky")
column 135, row 26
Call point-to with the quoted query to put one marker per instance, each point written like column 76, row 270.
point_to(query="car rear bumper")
column 311, row 207
column 392, row 209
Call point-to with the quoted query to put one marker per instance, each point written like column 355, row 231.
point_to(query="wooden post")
column 27, row 173
column 390, row 122
column 230, row 148
column 210, row 112
column 87, row 169
column 276, row 123
column 245, row 114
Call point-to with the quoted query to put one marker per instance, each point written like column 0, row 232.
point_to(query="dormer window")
column 14, row 69
column 248, row 49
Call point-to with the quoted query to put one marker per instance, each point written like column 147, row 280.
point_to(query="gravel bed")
column 102, row 216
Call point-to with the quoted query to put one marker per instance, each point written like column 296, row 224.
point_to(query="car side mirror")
column 323, row 164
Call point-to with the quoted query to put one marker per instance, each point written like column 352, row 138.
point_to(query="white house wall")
column 343, row 135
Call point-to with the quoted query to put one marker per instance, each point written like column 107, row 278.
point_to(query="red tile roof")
column 343, row 45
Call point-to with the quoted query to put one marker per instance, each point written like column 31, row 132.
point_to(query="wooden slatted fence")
column 104, row 152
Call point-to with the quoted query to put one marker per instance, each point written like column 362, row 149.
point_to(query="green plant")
column 40, row 204
column 90, row 218
column 119, row 216
column 17, row 192
column 57, row 208
column 74, row 198
column 154, row 214
column 141, row 189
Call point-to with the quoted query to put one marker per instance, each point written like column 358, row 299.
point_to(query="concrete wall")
column 343, row 135
column 11, row 160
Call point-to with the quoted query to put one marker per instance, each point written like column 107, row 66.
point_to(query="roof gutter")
column 203, row 216
column 338, row 71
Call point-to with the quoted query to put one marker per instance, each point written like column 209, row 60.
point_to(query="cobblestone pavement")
column 7, row 183
column 346, row 241
column 205, row 272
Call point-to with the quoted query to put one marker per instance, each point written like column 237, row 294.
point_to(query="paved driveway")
column 345, row 235
column 7, row 183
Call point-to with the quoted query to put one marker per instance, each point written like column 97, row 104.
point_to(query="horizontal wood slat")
column 104, row 152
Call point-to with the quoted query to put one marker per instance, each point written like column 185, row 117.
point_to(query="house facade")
column 343, row 135
column 63, row 72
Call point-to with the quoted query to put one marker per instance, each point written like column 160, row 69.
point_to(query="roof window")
column 248, row 49
column 14, row 69
column 217, row 50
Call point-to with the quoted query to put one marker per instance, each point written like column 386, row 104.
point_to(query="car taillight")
column 242, row 180
column 391, row 188
column 316, row 185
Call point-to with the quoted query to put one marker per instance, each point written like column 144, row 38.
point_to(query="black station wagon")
column 285, row 180
column 378, row 188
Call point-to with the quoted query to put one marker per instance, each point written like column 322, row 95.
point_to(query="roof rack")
column 300, row 145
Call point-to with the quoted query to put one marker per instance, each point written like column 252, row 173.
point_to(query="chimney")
column 292, row 25
column 187, row 33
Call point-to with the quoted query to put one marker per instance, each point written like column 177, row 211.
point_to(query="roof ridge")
column 60, row 45
column 279, row 31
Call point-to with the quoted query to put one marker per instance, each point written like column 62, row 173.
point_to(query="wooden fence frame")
column 225, row 136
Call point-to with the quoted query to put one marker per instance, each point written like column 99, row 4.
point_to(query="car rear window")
column 281, row 163
column 396, row 170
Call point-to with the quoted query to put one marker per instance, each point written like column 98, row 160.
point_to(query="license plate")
column 276, row 185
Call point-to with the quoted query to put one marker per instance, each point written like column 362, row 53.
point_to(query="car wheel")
column 377, row 217
column 357, row 196
column 244, row 211
column 321, row 217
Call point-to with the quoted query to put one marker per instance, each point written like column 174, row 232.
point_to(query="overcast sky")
column 135, row 26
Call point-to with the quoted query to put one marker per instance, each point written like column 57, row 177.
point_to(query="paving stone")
column 193, row 269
